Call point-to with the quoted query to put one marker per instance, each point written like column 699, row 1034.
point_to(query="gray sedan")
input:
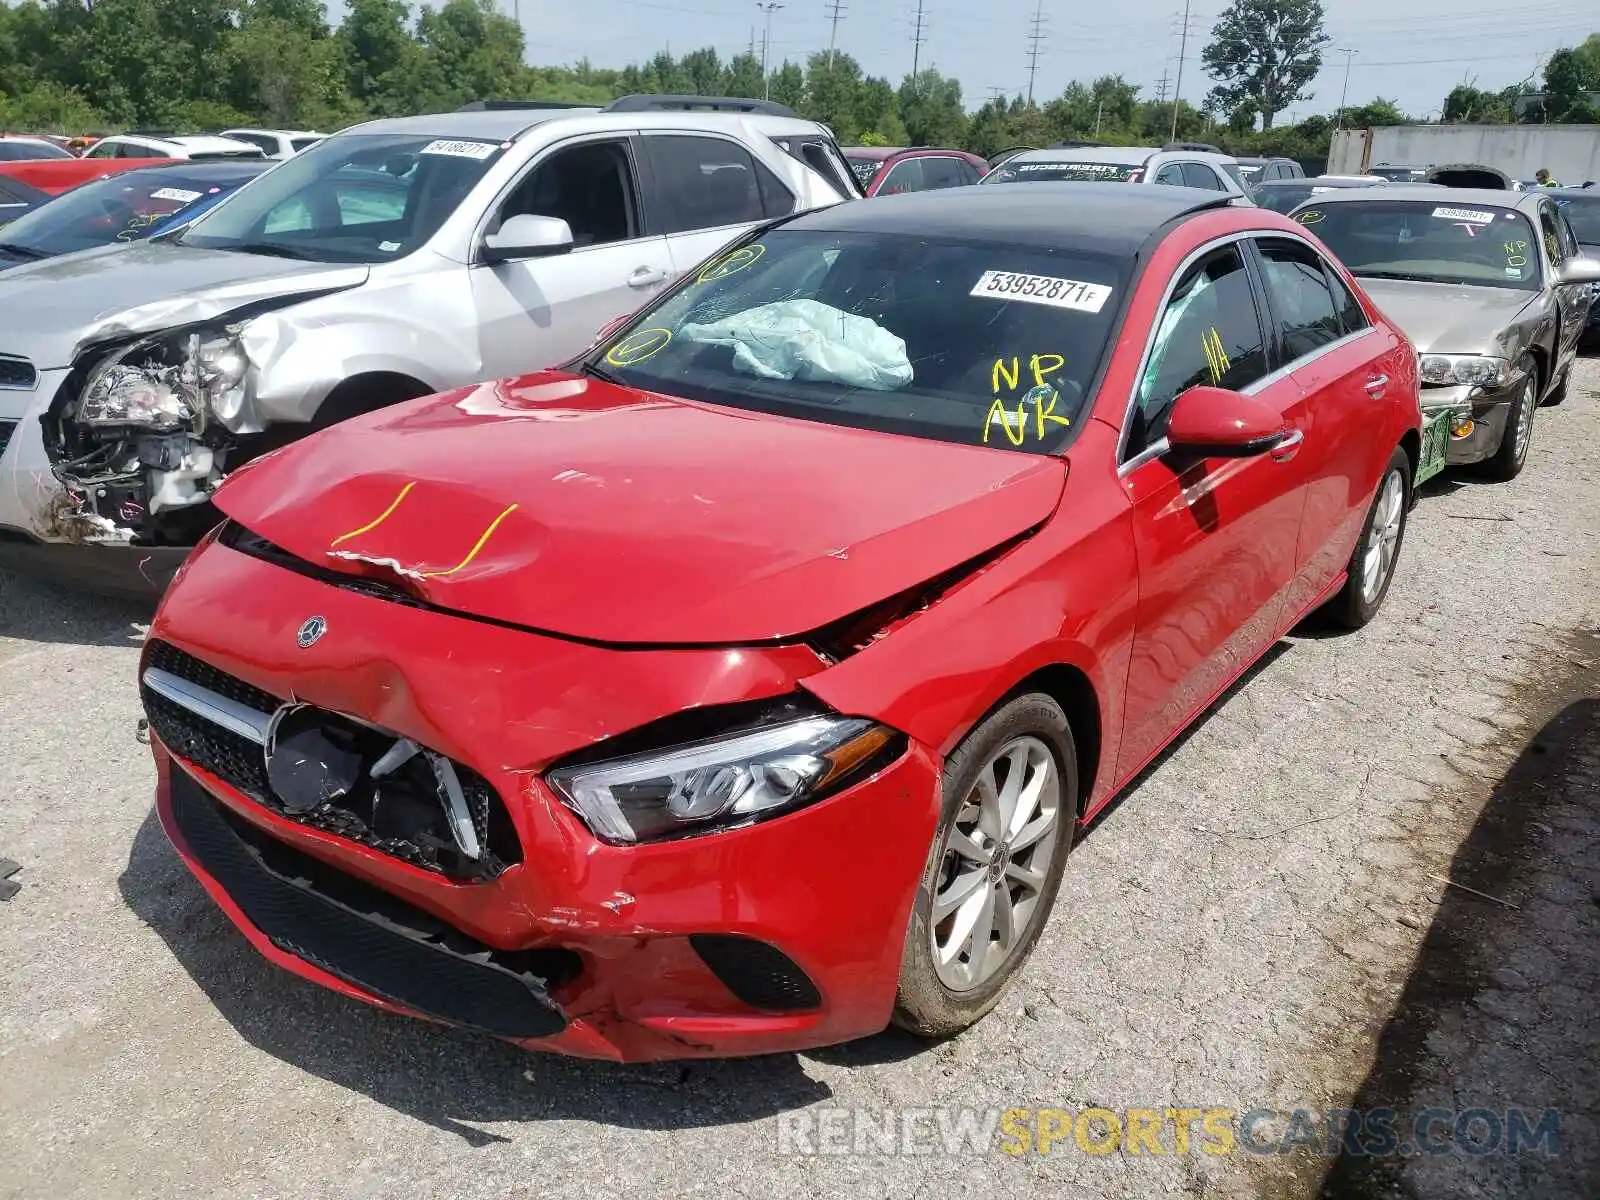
column 1492, row 290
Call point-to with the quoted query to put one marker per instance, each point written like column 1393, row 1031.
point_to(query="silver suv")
column 394, row 259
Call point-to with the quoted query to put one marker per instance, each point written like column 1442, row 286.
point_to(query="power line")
column 835, row 15
column 1035, row 40
column 917, row 39
column 1177, row 91
column 769, row 7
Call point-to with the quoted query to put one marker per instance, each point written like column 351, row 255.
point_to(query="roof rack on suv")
column 1074, row 144
column 511, row 105
column 645, row 103
column 1206, row 147
column 152, row 133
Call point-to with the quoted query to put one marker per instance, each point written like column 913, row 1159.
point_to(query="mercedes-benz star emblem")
column 311, row 632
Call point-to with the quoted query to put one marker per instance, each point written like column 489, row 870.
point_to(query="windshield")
column 981, row 344
column 864, row 168
column 358, row 197
column 1584, row 217
column 1436, row 243
column 1059, row 169
column 123, row 208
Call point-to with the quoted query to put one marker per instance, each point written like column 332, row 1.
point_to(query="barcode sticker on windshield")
column 478, row 150
column 178, row 194
column 1475, row 215
column 1042, row 289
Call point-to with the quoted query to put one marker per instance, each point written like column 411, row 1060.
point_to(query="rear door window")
column 1198, row 175
column 943, row 173
column 702, row 183
column 1302, row 303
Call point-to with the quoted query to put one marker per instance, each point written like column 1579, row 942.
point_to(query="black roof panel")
column 1116, row 217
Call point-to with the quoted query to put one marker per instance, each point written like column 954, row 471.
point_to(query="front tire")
column 1009, row 813
column 1507, row 462
column 1371, row 567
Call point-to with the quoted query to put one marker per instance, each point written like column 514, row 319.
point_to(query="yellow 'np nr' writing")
column 1007, row 375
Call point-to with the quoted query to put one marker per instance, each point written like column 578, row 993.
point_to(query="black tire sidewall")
column 923, row 1004
column 1352, row 609
column 1503, row 464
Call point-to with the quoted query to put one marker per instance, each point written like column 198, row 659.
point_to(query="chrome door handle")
column 1376, row 385
column 646, row 277
column 1288, row 445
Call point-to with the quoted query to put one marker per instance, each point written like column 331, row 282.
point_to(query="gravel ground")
column 1258, row 925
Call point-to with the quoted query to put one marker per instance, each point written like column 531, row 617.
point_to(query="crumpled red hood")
column 573, row 506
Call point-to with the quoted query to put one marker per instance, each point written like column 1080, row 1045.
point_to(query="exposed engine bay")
column 142, row 436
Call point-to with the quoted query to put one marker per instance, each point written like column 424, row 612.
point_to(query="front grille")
column 758, row 974
column 17, row 373
column 421, row 838
column 366, row 936
column 7, row 428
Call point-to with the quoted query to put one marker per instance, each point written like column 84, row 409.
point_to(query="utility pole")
column 1161, row 87
column 752, row 51
column 1349, row 57
column 770, row 7
column 916, row 44
column 1035, row 40
column 1183, row 50
column 835, row 15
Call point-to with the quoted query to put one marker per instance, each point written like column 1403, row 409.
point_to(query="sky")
column 1409, row 51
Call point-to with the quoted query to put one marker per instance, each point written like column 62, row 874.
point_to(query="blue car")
column 127, row 207
column 18, row 199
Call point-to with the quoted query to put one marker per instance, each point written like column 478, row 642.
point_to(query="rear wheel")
column 1371, row 567
column 1009, row 813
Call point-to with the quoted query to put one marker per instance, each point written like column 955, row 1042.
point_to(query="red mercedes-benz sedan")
column 741, row 687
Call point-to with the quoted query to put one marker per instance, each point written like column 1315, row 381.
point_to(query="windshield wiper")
column 277, row 249
column 22, row 251
column 1397, row 275
column 603, row 375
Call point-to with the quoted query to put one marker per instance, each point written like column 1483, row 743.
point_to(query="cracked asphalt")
column 1370, row 877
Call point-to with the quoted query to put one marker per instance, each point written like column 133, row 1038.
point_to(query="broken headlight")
column 1457, row 369
column 724, row 781
column 168, row 383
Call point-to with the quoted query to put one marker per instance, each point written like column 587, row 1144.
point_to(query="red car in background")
column 742, row 686
column 888, row 171
column 56, row 175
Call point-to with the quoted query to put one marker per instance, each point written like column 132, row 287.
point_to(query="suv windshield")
column 123, row 208
column 978, row 343
column 358, row 197
column 1434, row 243
column 1064, row 168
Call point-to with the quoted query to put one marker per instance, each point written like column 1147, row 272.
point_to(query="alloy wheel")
column 1383, row 539
column 996, row 862
column 1524, row 430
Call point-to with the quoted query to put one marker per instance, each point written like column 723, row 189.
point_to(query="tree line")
column 98, row 66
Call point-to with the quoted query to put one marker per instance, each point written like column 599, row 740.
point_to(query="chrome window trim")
column 1156, row 449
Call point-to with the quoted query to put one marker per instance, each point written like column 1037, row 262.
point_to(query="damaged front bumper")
column 1473, row 421
column 776, row 936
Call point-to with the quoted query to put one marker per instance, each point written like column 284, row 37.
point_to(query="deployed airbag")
column 806, row 339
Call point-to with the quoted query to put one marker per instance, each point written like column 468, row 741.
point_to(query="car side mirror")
column 1217, row 423
column 1583, row 269
column 527, row 236
column 611, row 327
